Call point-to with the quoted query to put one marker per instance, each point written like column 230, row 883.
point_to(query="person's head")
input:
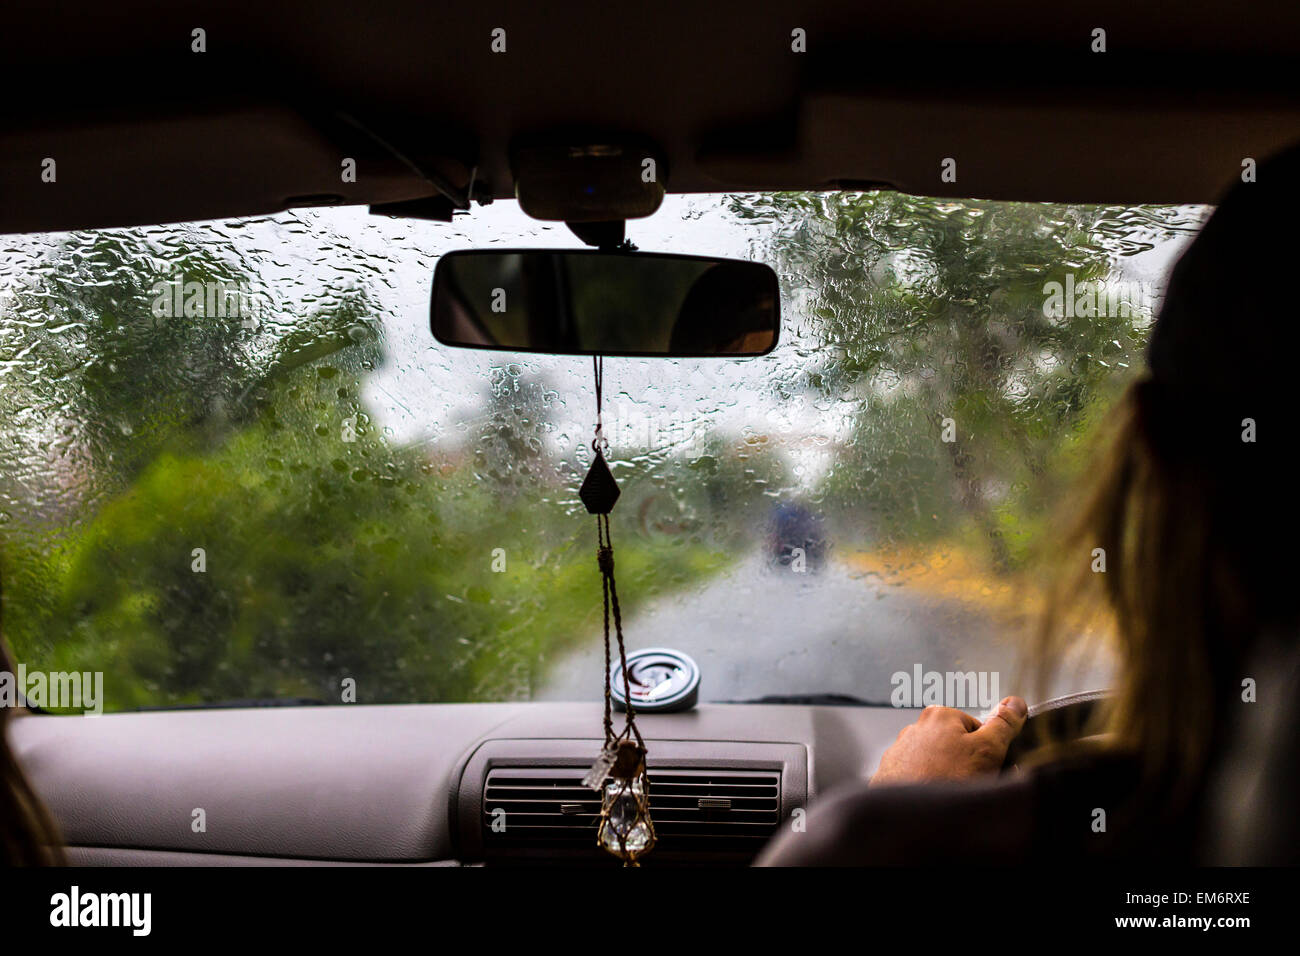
column 28, row 836
column 1192, row 502
column 724, row 312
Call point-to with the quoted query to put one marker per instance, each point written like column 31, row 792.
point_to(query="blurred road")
column 759, row 630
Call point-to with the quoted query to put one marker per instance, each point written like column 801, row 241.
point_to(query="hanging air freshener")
column 619, row 771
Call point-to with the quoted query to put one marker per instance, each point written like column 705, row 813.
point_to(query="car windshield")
column 235, row 466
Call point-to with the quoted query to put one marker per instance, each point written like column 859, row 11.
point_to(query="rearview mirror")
column 597, row 302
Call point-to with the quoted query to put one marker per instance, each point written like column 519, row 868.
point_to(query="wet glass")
column 235, row 465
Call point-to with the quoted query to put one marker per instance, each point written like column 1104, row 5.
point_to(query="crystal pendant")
column 625, row 828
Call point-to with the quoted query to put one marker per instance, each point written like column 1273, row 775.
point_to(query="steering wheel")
column 1061, row 718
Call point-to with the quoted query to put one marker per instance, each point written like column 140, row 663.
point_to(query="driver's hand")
column 950, row 744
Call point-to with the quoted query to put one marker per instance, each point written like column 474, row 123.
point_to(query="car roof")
column 144, row 129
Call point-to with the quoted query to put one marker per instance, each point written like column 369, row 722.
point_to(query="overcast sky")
column 426, row 389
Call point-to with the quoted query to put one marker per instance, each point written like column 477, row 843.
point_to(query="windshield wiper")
column 234, row 704
column 811, row 700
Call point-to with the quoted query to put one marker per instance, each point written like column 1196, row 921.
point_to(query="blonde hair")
column 1181, row 596
column 28, row 835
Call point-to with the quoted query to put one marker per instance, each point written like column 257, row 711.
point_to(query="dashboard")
column 429, row 784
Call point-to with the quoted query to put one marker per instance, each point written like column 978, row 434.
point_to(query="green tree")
column 931, row 313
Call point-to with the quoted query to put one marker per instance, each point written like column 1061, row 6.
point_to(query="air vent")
column 693, row 810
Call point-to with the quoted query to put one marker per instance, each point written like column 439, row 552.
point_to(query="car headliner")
column 144, row 130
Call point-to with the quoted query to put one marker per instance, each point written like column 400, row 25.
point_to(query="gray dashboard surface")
column 354, row 783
